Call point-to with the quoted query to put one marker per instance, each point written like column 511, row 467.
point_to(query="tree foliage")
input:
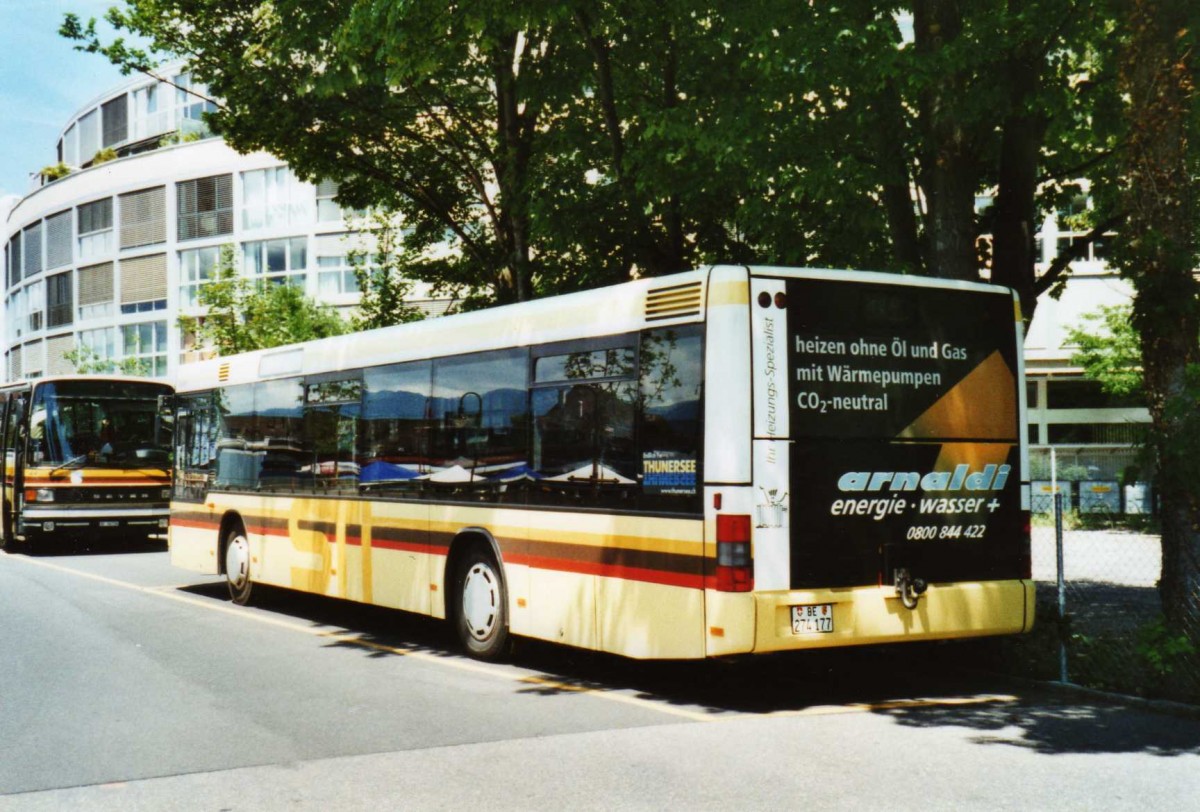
column 1159, row 254
column 1109, row 349
column 384, row 275
column 87, row 361
column 558, row 146
column 242, row 315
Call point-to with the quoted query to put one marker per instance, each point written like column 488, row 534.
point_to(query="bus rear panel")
column 889, row 499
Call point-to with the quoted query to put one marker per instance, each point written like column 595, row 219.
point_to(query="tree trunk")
column 515, row 277
column 889, row 142
column 1159, row 255
column 1014, row 223
column 949, row 175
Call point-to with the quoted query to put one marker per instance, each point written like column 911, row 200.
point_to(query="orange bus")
column 86, row 456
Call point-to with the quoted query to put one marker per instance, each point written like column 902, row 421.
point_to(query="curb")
column 1167, row 707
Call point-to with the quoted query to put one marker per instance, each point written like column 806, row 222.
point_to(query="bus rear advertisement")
column 725, row 461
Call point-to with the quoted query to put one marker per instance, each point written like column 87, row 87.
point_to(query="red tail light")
column 735, row 567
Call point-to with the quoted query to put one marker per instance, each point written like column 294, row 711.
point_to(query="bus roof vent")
column 674, row 301
column 223, row 372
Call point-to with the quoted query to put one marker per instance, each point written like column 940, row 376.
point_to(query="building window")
column 33, row 249
column 95, row 229
column 191, row 103
column 89, row 137
column 14, row 260
column 35, row 307
column 328, row 209
column 58, row 240
column 275, row 198
column 57, row 349
column 115, row 116
column 1096, row 433
column 17, row 311
column 278, row 261
column 70, row 147
column 205, row 207
column 147, row 342
column 143, row 218
column 1085, row 394
column 196, row 268
column 152, row 114
column 59, row 305
column 144, row 284
column 99, row 344
column 335, row 276
column 96, row 291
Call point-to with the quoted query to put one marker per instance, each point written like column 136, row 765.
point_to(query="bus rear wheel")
column 481, row 614
column 237, row 566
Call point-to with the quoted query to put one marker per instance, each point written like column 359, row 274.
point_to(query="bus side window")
column 480, row 417
column 331, row 423
column 671, row 418
column 236, row 463
column 395, row 429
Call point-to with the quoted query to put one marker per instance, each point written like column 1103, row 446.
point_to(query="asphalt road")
column 127, row 684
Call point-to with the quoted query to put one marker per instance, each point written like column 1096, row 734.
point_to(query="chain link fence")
column 1099, row 615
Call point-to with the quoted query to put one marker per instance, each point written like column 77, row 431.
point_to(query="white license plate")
column 110, row 524
column 814, row 619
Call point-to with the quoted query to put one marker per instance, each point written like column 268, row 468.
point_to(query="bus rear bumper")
column 875, row 615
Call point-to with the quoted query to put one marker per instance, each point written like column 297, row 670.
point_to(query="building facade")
column 101, row 262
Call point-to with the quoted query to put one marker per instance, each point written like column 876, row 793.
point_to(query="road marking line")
column 172, row 592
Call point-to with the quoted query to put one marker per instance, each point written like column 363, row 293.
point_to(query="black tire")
column 481, row 606
column 235, row 555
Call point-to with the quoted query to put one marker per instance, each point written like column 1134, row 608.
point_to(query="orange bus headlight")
column 39, row 495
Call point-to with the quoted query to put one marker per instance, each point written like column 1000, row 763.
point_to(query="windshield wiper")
column 74, row 462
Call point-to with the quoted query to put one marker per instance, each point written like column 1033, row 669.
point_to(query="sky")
column 43, row 82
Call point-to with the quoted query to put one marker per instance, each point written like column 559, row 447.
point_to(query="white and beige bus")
column 724, row 461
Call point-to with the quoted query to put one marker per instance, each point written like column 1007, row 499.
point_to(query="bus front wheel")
column 481, row 616
column 237, row 566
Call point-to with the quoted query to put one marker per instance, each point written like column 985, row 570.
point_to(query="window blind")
column 205, row 207
column 33, row 249
column 56, row 355
column 115, row 115
column 96, row 284
column 58, row 240
column 144, row 279
column 58, row 300
column 143, row 217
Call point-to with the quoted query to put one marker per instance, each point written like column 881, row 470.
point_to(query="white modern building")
column 105, row 258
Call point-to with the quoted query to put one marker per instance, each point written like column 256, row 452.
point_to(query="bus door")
column 15, row 407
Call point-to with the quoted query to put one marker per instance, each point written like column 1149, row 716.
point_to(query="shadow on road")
column 891, row 680
column 1054, row 727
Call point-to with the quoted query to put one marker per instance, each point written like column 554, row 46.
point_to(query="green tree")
column 384, row 276
column 243, row 315
column 1109, row 349
column 87, row 362
column 557, row 146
